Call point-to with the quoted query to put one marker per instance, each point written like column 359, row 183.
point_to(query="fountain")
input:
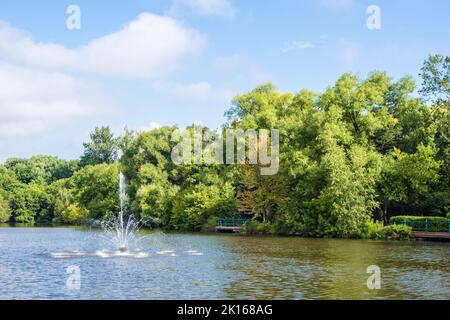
column 121, row 231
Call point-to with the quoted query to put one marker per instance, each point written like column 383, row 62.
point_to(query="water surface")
column 34, row 263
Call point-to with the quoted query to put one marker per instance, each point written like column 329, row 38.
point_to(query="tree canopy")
column 364, row 149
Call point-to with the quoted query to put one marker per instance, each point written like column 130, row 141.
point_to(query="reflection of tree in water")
column 295, row 268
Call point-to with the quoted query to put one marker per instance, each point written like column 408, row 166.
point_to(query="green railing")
column 231, row 222
column 427, row 225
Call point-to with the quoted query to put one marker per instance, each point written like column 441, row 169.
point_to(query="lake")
column 35, row 262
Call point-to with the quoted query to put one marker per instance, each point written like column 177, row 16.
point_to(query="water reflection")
column 186, row 266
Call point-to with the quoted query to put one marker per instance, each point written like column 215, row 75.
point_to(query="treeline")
column 363, row 150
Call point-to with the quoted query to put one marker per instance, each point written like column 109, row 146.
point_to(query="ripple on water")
column 120, row 254
column 99, row 254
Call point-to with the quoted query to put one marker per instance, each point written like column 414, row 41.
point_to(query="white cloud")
column 338, row 5
column 206, row 7
column 297, row 45
column 33, row 102
column 149, row 46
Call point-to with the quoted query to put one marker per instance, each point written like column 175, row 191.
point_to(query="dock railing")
column 427, row 225
column 231, row 222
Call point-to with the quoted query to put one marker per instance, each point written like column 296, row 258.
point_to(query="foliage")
column 254, row 227
column 27, row 203
column 374, row 230
column 351, row 157
column 41, row 169
column 420, row 223
column 209, row 225
column 73, row 214
column 194, row 206
column 397, row 232
column 436, row 77
column 103, row 148
column 66, row 211
column 95, row 188
column 5, row 210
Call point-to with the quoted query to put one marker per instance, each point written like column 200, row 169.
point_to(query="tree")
column 96, row 189
column 8, row 180
column 41, row 169
column 365, row 148
column 103, row 148
column 407, row 179
column 195, row 205
column 436, row 78
column 66, row 210
column 5, row 210
column 27, row 202
column 155, row 195
column 260, row 196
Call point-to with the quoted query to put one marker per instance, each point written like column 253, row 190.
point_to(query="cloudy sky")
column 146, row 63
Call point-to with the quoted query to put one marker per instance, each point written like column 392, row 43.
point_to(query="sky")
column 142, row 64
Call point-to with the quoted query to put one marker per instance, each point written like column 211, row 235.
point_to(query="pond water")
column 34, row 264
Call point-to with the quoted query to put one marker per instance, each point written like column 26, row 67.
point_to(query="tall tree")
column 103, row 148
column 436, row 78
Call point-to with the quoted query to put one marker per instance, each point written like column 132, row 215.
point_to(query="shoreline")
column 88, row 227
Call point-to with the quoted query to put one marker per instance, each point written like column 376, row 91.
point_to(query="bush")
column 373, row 230
column 95, row 188
column 5, row 211
column 72, row 215
column 397, row 232
column 264, row 228
column 448, row 215
column 250, row 227
column 209, row 225
column 433, row 224
column 253, row 227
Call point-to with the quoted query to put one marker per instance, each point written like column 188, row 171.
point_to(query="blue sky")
column 145, row 63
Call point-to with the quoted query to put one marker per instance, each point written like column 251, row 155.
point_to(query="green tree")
column 102, row 148
column 436, row 78
column 41, row 169
column 194, row 206
column 95, row 188
column 5, row 210
column 155, row 195
column 66, row 210
column 27, row 202
column 407, row 179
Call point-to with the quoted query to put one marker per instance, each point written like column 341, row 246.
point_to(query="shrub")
column 373, row 230
column 73, row 214
column 265, row 228
column 5, row 211
column 397, row 232
column 433, row 224
column 250, row 227
column 253, row 227
column 210, row 224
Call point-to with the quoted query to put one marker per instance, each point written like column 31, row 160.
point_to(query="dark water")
column 34, row 262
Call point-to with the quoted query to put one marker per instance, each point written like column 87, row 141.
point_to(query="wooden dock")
column 230, row 225
column 428, row 230
column 431, row 235
column 231, row 229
